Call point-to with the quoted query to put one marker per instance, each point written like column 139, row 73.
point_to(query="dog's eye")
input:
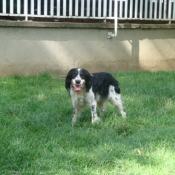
column 81, row 74
column 75, row 73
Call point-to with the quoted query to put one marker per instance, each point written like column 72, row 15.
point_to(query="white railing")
column 90, row 9
column 94, row 9
column 147, row 10
column 154, row 10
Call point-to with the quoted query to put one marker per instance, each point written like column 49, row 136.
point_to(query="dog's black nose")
column 77, row 81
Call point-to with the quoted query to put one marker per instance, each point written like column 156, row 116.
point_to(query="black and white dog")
column 89, row 90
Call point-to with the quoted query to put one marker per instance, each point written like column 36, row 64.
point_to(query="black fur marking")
column 88, row 79
column 93, row 107
column 102, row 81
column 69, row 78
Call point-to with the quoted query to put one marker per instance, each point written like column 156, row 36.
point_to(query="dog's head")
column 78, row 78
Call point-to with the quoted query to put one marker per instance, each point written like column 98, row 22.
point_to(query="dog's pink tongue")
column 77, row 88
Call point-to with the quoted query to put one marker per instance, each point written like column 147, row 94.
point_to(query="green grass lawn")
column 36, row 135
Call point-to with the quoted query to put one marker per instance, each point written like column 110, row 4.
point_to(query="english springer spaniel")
column 91, row 90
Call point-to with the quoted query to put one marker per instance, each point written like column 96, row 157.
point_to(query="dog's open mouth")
column 77, row 87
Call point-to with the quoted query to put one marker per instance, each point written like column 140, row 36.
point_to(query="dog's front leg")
column 95, row 117
column 76, row 114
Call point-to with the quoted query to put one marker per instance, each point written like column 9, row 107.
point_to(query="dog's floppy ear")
column 88, row 79
column 69, row 79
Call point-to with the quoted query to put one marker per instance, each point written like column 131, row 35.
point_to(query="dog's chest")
column 81, row 99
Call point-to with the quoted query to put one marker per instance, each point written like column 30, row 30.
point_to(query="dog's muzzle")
column 77, row 86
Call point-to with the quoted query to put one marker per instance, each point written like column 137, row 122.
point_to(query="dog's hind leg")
column 102, row 106
column 116, row 100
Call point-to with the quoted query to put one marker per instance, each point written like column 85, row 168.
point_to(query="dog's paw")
column 123, row 113
column 96, row 120
column 74, row 120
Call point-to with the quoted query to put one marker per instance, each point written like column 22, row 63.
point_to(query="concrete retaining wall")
column 32, row 48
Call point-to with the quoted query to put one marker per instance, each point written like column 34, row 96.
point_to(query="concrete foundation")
column 31, row 48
